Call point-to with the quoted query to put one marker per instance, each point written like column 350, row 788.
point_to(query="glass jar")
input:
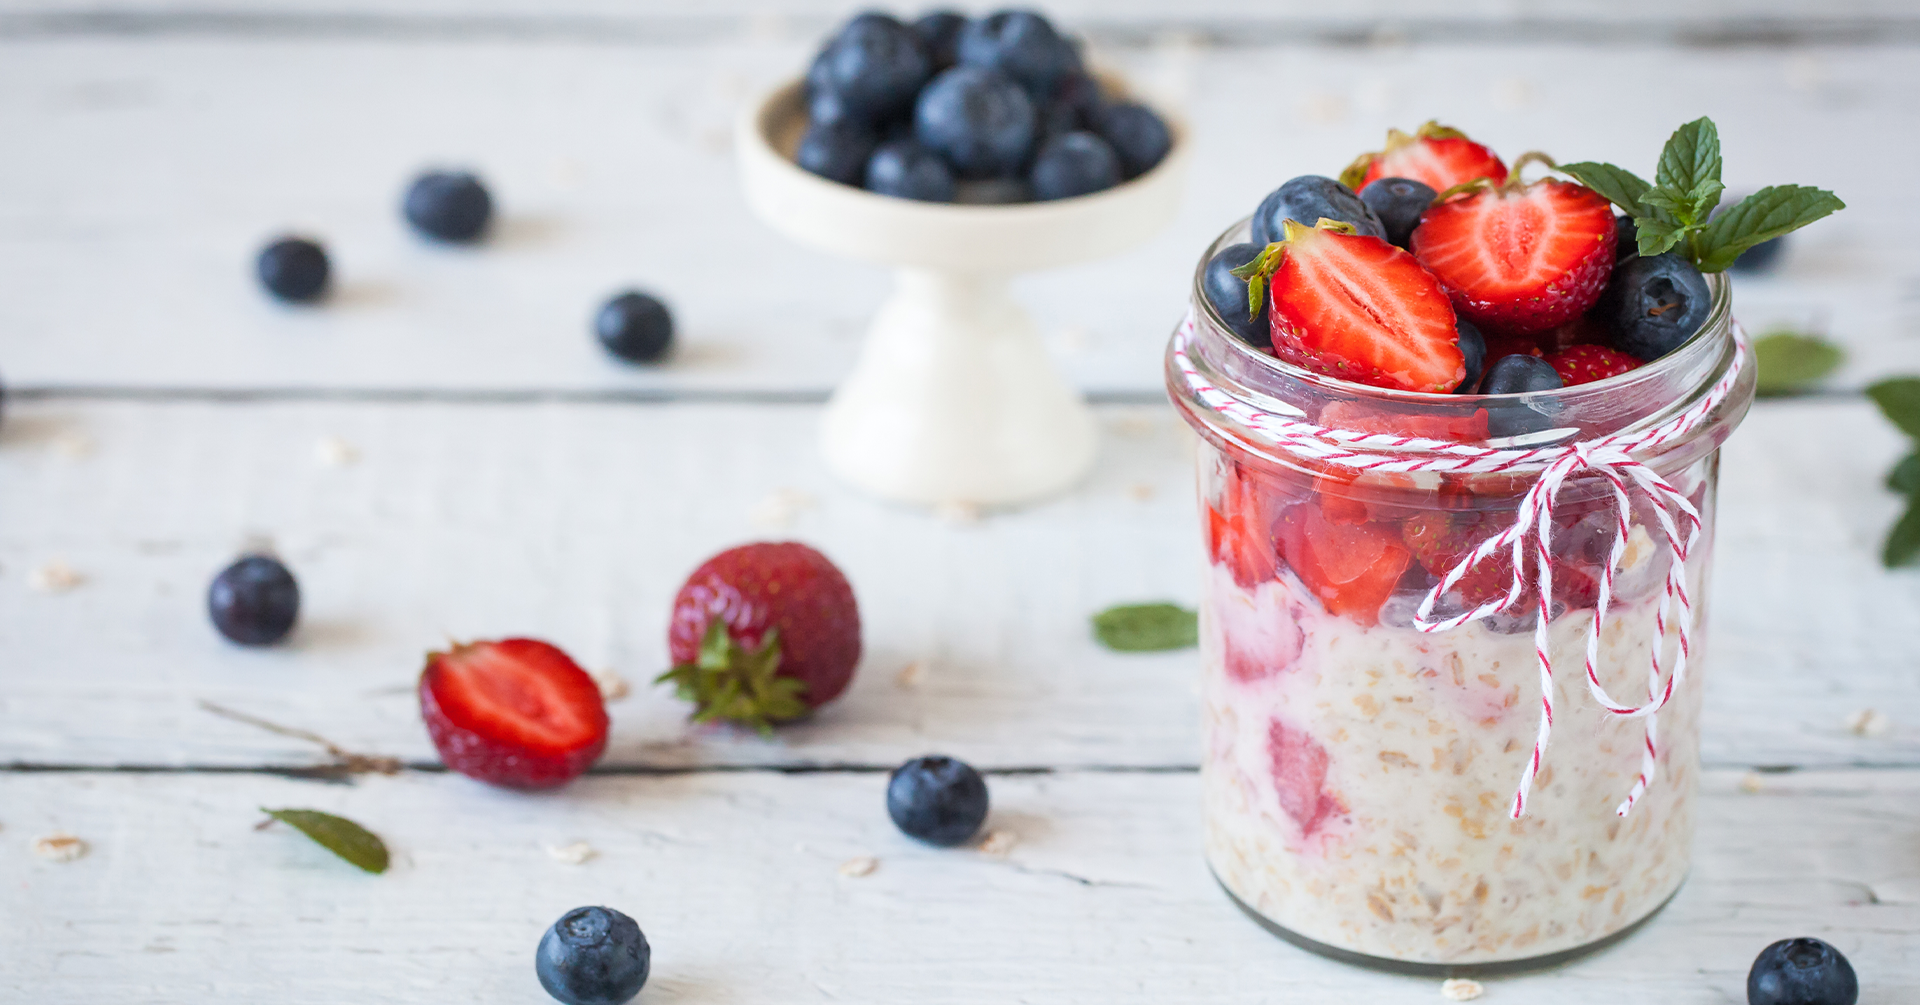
column 1360, row 773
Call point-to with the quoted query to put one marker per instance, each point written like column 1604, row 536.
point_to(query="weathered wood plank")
column 734, row 878
column 577, row 522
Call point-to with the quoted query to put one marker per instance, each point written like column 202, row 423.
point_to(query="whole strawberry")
column 763, row 633
column 1437, row 156
column 1584, row 363
column 517, row 712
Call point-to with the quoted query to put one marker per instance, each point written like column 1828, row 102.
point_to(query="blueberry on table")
column 1398, row 203
column 1228, row 294
column 1075, row 163
column 1137, row 133
column 293, row 269
column 1306, row 200
column 1801, row 972
column 1652, row 305
column 939, row 34
column 1022, row 45
column 635, row 327
column 254, row 601
column 837, row 151
column 938, row 800
column 874, row 67
column 1626, row 238
column 1473, row 349
column 448, row 206
column 980, row 120
column 908, row 170
column 593, row 956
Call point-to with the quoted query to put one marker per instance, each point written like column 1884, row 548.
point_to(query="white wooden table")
column 508, row 479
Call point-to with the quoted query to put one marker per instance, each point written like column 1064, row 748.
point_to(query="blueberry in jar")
column 254, row 601
column 635, row 327
column 448, row 206
column 1398, row 203
column 979, row 119
column 837, row 151
column 1307, row 200
column 1137, row 133
column 1519, row 374
column 293, row 269
column 1801, row 972
column 1021, row 44
column 1473, row 350
column 938, row 800
column 593, row 956
column 1626, row 234
column 907, row 170
column 1228, row 294
column 1652, row 305
column 1075, row 163
column 873, row 67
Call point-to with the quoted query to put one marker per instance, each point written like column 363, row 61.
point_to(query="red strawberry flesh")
column 1351, row 568
column 518, row 712
column 1438, row 163
column 1520, row 262
column 1299, row 774
column 1584, row 363
column 1358, row 308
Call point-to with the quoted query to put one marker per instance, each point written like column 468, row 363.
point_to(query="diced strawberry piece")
column 1519, row 262
column 1351, row 568
column 1440, row 540
column 1240, row 531
column 1363, row 418
column 517, row 712
column 1358, row 308
column 1299, row 775
column 1436, row 155
column 1257, row 648
column 1584, row 364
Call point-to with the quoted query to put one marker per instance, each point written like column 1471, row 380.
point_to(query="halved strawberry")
column 1352, row 568
column 1361, row 309
column 1584, row 364
column 517, row 712
column 1437, row 155
column 1520, row 260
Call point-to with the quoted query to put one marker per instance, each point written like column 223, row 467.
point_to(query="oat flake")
column 854, row 868
column 1751, row 782
column 778, row 509
column 1869, row 722
column 55, row 576
column 334, row 452
column 576, row 853
column 999, row 842
column 1461, row 990
column 60, row 847
column 958, row 513
column 613, row 687
column 909, row 675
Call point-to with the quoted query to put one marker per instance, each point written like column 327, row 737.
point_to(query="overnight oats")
column 1459, row 450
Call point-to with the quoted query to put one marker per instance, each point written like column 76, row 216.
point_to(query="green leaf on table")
column 1905, row 476
column 1790, row 361
column 1689, row 171
column 338, row 835
column 1903, row 541
column 1145, row 628
column 1899, row 400
column 1617, row 185
column 1761, row 217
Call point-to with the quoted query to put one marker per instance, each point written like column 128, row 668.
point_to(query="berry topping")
column 1626, row 242
column 254, row 601
column 1653, row 304
column 1021, row 44
column 908, row 170
column 635, row 327
column 1240, row 530
column 1361, row 309
column 836, row 150
column 1137, row 133
column 1398, row 202
column 518, row 712
column 1520, row 374
column 1584, row 364
column 1440, row 540
column 979, row 119
column 1801, row 972
column 1228, row 294
column 1519, row 260
column 873, row 68
column 1351, row 567
column 593, row 956
column 1074, row 163
column 763, row 633
column 939, row 34
column 1473, row 353
column 293, row 269
column 1299, row 775
column 1307, row 200
column 448, row 206
column 1435, row 155
column 938, row 800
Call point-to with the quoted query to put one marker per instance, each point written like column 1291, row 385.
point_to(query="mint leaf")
column 1657, row 235
column 1899, row 400
column 1689, row 170
column 1905, row 476
column 1617, row 185
column 1790, row 361
column 338, row 835
column 1903, row 541
column 1143, row 628
column 1762, row 216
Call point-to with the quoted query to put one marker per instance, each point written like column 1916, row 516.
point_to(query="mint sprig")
column 1899, row 401
column 1676, row 209
column 730, row 682
column 1789, row 361
column 1146, row 628
column 341, row 836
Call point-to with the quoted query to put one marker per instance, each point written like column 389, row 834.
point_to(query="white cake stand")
column 954, row 399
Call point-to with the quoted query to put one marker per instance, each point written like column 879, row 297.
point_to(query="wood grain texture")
column 159, row 165
column 734, row 878
column 576, row 523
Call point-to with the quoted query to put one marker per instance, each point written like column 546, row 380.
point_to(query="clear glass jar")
column 1358, row 772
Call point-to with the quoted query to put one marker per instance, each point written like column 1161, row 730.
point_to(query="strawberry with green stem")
column 1437, row 156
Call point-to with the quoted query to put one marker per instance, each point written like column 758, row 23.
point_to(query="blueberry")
column 1626, row 238
column 635, row 327
column 1228, row 294
column 1398, row 203
column 254, row 601
column 939, row 34
column 1138, row 135
column 873, row 67
column 448, row 205
column 1473, row 346
column 1652, row 305
column 937, row 799
column 1076, row 104
column 1519, row 374
column 908, row 170
column 293, row 269
column 593, row 956
column 837, row 151
column 979, row 120
column 1801, row 972
column 1075, row 163
column 1021, row 44
column 1305, row 200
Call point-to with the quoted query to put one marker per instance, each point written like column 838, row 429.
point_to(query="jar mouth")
column 1702, row 351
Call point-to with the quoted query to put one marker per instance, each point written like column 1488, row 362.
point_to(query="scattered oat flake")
column 854, row 868
column 999, row 842
column 1461, row 990
column 613, row 687
column 74, row 445
column 60, row 847
column 576, row 853
column 778, row 509
column 54, row 576
column 957, row 512
column 334, row 452
column 909, row 675
column 1140, row 491
column 1869, row 722
column 1751, row 782
column 1133, row 426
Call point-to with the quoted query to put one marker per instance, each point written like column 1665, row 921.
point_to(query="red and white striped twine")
column 1608, row 457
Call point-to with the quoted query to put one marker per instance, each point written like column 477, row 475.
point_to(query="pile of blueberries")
column 996, row 109
column 454, row 207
